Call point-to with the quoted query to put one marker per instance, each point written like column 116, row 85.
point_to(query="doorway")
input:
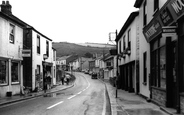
column 171, row 73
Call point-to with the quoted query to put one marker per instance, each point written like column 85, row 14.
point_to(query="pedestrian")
column 67, row 78
column 62, row 76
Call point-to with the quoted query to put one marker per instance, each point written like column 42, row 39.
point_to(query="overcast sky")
column 74, row 21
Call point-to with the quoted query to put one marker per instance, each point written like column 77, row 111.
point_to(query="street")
column 86, row 97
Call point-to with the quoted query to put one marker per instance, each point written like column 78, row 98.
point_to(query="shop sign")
column 166, row 17
column 26, row 53
column 169, row 31
column 178, row 6
column 152, row 30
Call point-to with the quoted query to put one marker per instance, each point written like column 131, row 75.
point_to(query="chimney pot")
column 3, row 2
column 7, row 2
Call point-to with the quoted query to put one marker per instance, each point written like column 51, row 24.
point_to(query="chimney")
column 6, row 7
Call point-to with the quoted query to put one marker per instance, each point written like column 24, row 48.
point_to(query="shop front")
column 11, row 77
column 165, row 34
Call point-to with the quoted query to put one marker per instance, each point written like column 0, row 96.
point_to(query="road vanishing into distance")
column 86, row 97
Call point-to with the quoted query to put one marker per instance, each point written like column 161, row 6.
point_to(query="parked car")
column 94, row 75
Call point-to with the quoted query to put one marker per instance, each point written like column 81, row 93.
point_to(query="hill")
column 65, row 48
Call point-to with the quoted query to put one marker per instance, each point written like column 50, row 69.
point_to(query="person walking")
column 67, row 78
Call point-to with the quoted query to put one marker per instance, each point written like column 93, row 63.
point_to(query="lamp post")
column 117, row 73
column 44, row 72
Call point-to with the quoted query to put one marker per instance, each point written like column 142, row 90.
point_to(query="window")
column 3, row 72
column 156, row 5
column 145, row 67
column 108, row 63
column 47, row 48
column 129, row 39
column 12, row 34
column 38, row 44
column 144, row 14
column 14, row 72
column 124, row 45
column 158, row 63
column 38, row 69
column 120, row 46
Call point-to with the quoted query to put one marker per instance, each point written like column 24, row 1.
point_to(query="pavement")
column 132, row 104
column 17, row 98
column 125, row 104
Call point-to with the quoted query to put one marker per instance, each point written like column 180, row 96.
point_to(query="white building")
column 127, row 55
column 11, row 38
column 41, row 58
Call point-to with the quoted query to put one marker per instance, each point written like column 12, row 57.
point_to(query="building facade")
column 11, row 46
column 163, row 31
column 126, row 41
column 40, row 62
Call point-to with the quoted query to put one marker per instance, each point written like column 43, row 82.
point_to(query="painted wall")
column 11, row 52
column 37, row 59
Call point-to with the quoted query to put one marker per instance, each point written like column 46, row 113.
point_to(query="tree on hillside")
column 88, row 55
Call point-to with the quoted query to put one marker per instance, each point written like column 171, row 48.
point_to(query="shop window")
column 12, row 34
column 162, row 68
column 14, row 72
column 158, row 63
column 3, row 72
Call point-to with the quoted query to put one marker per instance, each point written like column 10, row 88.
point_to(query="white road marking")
column 55, row 105
column 79, row 92
column 72, row 97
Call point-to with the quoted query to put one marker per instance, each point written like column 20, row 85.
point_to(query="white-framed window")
column 3, row 72
column 12, row 34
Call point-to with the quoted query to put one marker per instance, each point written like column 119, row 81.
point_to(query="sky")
column 74, row 21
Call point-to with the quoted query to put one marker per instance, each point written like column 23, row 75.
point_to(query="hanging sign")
column 26, row 53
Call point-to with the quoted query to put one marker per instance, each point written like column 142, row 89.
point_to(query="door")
column 171, row 75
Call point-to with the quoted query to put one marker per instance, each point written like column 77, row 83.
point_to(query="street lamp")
column 117, row 73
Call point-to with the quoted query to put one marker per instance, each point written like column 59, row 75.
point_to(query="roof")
column 138, row 3
column 127, row 24
column 63, row 58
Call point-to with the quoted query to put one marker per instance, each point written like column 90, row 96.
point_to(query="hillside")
column 65, row 48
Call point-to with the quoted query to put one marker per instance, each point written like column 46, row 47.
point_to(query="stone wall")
column 182, row 103
column 159, row 96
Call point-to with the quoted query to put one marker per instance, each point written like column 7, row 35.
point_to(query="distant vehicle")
column 86, row 72
column 94, row 75
column 90, row 72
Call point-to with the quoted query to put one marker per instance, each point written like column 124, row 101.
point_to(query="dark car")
column 94, row 76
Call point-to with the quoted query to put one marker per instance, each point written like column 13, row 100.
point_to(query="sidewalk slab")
column 129, row 103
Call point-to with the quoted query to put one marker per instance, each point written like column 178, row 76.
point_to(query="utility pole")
column 117, row 73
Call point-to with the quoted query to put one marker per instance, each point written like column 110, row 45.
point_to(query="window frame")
column 18, row 73
column 47, row 48
column 12, row 33
column 38, row 45
column 145, row 13
column 6, row 71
